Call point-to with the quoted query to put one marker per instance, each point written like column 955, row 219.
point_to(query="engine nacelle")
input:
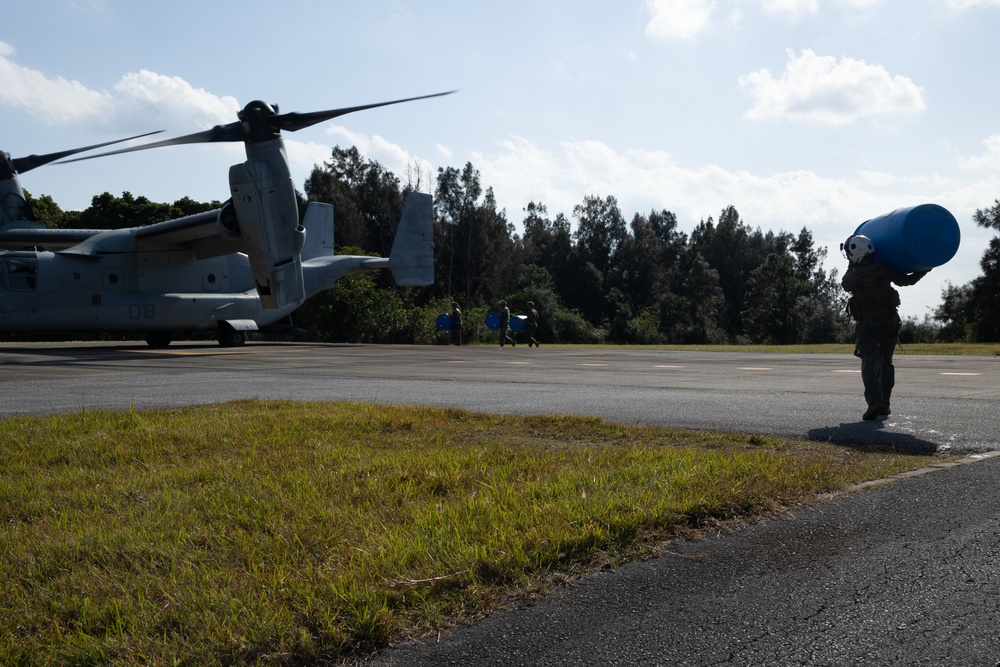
column 226, row 223
column 267, row 225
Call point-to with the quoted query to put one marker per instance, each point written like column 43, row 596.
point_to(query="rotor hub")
column 259, row 119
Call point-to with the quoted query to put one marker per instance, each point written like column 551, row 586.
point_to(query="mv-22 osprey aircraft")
column 240, row 268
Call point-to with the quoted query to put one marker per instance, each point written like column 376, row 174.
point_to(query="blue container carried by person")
column 913, row 239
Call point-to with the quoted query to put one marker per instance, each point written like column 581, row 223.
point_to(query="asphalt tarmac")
column 939, row 403
column 904, row 573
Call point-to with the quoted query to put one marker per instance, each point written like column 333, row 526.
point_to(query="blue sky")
column 800, row 113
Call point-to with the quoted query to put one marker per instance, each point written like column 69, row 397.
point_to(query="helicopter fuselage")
column 162, row 291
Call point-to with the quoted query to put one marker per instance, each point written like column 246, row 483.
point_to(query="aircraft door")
column 17, row 298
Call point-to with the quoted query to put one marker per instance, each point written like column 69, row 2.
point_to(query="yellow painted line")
column 848, row 371
column 663, row 366
column 180, row 351
column 964, row 374
column 519, row 363
column 594, row 365
column 752, row 368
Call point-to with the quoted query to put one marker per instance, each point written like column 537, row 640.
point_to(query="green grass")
column 279, row 533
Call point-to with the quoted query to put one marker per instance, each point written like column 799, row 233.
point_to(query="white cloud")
column 793, row 7
column 303, row 156
column 988, row 160
column 685, row 20
column 968, row 4
column 173, row 101
column 54, row 101
column 393, row 157
column 445, row 152
column 861, row 4
column 679, row 20
column 140, row 100
column 521, row 171
column 822, row 89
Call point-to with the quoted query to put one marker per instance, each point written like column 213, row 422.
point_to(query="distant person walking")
column 531, row 325
column 456, row 323
column 873, row 305
column 505, row 325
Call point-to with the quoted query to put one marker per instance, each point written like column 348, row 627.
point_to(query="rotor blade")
column 244, row 131
column 230, row 132
column 296, row 121
column 23, row 164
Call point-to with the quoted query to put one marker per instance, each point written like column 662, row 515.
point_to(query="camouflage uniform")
column 873, row 305
column 505, row 325
column 531, row 325
column 456, row 324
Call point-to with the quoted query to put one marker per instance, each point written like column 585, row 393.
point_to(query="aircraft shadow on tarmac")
column 59, row 356
column 872, row 434
column 127, row 351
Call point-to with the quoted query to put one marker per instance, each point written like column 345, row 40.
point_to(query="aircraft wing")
column 196, row 231
column 50, row 239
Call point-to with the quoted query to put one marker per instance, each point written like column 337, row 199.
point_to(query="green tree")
column 975, row 307
column 649, row 257
column 109, row 212
column 600, row 231
column 356, row 310
column 734, row 250
column 367, row 200
column 46, row 211
column 693, row 312
column 772, row 300
column 790, row 299
column 475, row 244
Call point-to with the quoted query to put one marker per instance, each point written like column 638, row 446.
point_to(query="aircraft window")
column 23, row 274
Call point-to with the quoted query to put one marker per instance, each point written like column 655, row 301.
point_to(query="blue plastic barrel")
column 443, row 321
column 492, row 321
column 517, row 323
column 913, row 239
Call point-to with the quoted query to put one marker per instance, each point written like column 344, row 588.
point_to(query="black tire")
column 158, row 339
column 231, row 337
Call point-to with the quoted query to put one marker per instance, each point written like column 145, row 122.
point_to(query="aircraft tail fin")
column 318, row 223
column 412, row 257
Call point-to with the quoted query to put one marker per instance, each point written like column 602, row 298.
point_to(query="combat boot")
column 873, row 411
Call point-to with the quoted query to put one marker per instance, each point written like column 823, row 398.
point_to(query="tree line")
column 595, row 276
column 604, row 278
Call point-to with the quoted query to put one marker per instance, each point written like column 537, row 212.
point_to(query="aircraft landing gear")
column 229, row 337
column 158, row 339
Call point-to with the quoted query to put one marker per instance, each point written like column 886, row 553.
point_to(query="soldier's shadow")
column 872, row 435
